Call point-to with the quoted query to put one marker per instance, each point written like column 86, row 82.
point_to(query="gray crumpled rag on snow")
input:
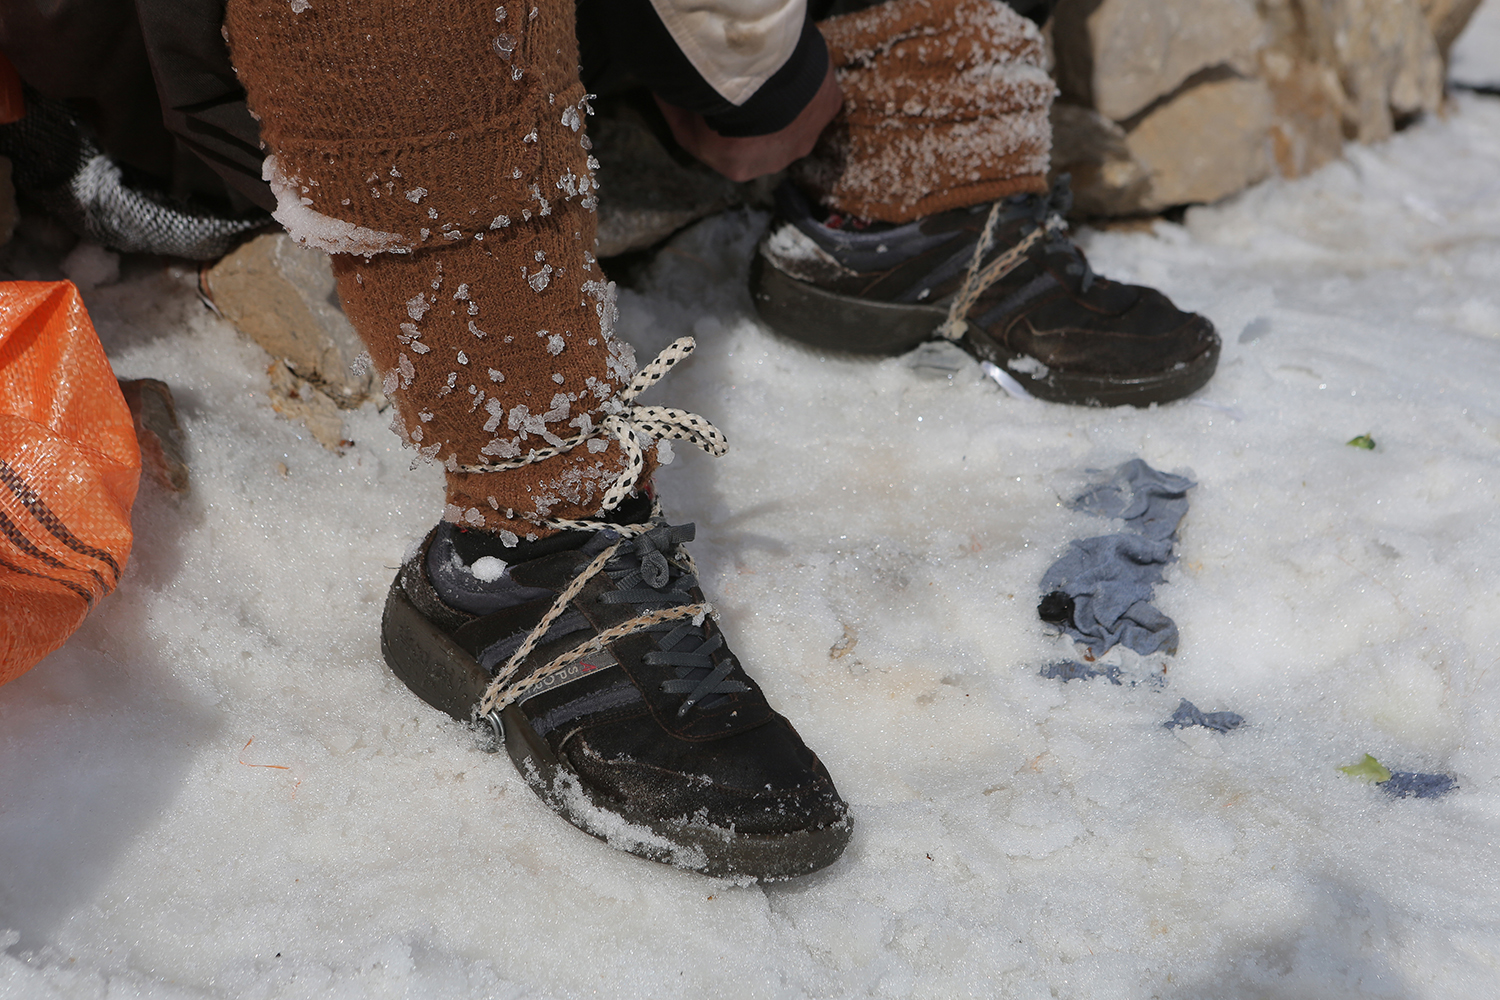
column 1402, row 784
column 1100, row 591
column 1072, row 670
column 1188, row 714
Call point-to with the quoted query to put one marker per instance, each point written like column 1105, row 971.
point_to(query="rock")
column 646, row 195
column 1107, row 179
column 1307, row 121
column 1387, row 60
column 283, row 297
column 1446, row 19
column 1205, row 144
column 1212, row 95
column 1118, row 56
column 156, row 429
column 298, row 399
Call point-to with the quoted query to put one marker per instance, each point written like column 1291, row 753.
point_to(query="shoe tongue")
column 472, row 544
column 476, row 578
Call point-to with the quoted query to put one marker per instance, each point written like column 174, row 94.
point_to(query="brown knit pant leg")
column 437, row 149
column 946, row 105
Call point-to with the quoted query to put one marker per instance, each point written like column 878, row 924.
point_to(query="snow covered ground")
column 218, row 790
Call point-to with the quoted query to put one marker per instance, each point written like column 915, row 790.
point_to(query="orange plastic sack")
column 69, row 468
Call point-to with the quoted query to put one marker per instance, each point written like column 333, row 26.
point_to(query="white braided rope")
column 499, row 696
column 507, row 673
column 978, row 279
column 505, row 690
column 629, row 425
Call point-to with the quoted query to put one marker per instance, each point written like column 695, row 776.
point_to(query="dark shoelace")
column 646, row 576
column 650, row 569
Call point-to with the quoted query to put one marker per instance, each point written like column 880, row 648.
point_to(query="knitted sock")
column 946, row 104
column 438, row 152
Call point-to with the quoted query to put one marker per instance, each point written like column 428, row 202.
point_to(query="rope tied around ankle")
column 980, row 278
column 630, row 425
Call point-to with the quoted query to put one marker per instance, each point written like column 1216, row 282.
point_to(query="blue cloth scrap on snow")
column 1074, row 671
column 1151, row 503
column 1110, row 578
column 1187, row 714
column 1402, row 784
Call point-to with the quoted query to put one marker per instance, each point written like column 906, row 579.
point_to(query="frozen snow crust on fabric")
column 484, row 368
column 412, row 118
column 439, row 153
column 945, row 105
column 658, row 742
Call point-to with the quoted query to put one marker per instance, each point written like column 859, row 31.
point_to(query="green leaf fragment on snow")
column 1363, row 441
column 1368, row 769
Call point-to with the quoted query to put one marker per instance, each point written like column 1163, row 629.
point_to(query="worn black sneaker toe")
column 1121, row 344
column 764, row 781
column 636, row 726
column 1066, row 334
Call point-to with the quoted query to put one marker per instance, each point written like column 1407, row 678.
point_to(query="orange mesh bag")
column 69, row 467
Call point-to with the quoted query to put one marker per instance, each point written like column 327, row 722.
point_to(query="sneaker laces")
column 649, row 567
column 1052, row 227
column 646, row 561
column 630, row 425
column 697, row 675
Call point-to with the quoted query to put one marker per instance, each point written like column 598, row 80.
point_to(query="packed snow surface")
column 217, row 789
column 1475, row 59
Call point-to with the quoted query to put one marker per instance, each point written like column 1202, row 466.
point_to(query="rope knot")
column 630, row 425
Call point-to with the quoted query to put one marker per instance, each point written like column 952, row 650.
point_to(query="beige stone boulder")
column 1206, row 98
column 1118, row 56
column 1447, row 18
column 1385, row 55
column 1107, row 178
column 1307, row 122
column 283, row 296
column 1209, row 142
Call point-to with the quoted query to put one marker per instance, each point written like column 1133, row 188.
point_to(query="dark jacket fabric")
column 153, row 82
column 153, row 79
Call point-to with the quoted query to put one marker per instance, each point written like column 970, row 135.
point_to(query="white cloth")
column 736, row 45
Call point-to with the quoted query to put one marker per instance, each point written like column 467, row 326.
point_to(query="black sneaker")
column 1040, row 312
column 593, row 657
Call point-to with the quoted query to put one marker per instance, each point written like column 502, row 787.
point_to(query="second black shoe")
column 1028, row 302
column 593, row 657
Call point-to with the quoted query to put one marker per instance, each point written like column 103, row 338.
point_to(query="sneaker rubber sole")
column 445, row 676
column 831, row 321
column 811, row 315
